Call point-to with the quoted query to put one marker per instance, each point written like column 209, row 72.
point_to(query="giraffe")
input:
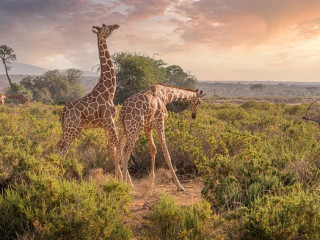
column 95, row 110
column 19, row 97
column 147, row 111
column 3, row 98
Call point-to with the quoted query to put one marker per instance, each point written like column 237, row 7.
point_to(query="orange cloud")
column 246, row 22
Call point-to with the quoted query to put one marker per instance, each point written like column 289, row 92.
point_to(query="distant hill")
column 18, row 68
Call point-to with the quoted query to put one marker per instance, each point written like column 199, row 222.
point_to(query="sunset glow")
column 212, row 39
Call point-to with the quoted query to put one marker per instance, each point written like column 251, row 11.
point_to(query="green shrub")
column 59, row 209
column 168, row 220
column 289, row 216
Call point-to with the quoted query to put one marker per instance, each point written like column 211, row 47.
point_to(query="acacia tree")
column 136, row 72
column 257, row 88
column 7, row 55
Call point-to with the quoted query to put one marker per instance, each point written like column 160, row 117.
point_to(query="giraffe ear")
column 94, row 31
column 200, row 94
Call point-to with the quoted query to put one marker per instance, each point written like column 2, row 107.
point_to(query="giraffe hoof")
column 180, row 189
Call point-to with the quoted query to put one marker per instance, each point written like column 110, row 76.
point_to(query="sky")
column 227, row 40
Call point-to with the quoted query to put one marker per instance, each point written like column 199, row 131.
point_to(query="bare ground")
column 144, row 197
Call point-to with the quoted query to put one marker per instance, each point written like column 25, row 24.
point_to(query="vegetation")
column 54, row 86
column 46, row 197
column 167, row 220
column 259, row 163
column 136, row 72
column 7, row 55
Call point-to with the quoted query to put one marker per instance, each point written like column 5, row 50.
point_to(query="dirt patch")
column 144, row 197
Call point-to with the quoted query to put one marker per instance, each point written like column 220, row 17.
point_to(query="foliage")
column 46, row 196
column 61, row 209
column 167, row 220
column 177, row 77
column 136, row 72
column 7, row 55
column 259, row 162
column 54, row 86
column 257, row 87
column 295, row 215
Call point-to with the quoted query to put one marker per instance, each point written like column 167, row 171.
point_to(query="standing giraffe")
column 19, row 97
column 3, row 98
column 147, row 110
column 95, row 110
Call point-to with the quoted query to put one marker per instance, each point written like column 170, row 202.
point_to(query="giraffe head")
column 194, row 103
column 105, row 31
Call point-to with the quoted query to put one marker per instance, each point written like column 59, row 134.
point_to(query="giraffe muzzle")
column 115, row 26
column 193, row 115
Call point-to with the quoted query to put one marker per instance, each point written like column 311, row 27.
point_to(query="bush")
column 58, row 209
column 167, row 220
column 295, row 215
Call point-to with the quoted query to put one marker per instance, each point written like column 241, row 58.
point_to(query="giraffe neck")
column 173, row 94
column 107, row 82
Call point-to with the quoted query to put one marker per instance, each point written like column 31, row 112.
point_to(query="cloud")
column 41, row 29
column 245, row 22
column 139, row 10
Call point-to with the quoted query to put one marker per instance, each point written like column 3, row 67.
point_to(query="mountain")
column 18, row 68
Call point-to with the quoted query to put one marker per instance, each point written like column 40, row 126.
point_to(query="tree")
column 136, row 72
column 257, row 88
column 177, row 77
column 74, row 76
column 55, row 86
column 7, row 55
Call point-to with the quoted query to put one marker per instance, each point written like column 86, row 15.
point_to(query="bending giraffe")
column 95, row 110
column 19, row 97
column 147, row 110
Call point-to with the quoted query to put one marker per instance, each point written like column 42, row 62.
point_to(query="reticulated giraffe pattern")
column 19, row 97
column 95, row 110
column 146, row 111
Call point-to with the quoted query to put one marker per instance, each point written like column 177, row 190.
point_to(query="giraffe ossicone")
column 146, row 111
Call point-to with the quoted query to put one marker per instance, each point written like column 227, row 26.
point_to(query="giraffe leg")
column 113, row 148
column 122, row 139
column 153, row 152
column 162, row 138
column 131, row 140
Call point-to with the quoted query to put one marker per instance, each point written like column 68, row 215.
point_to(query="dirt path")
column 143, row 198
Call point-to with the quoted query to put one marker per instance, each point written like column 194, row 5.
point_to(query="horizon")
column 87, row 73
column 233, row 40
